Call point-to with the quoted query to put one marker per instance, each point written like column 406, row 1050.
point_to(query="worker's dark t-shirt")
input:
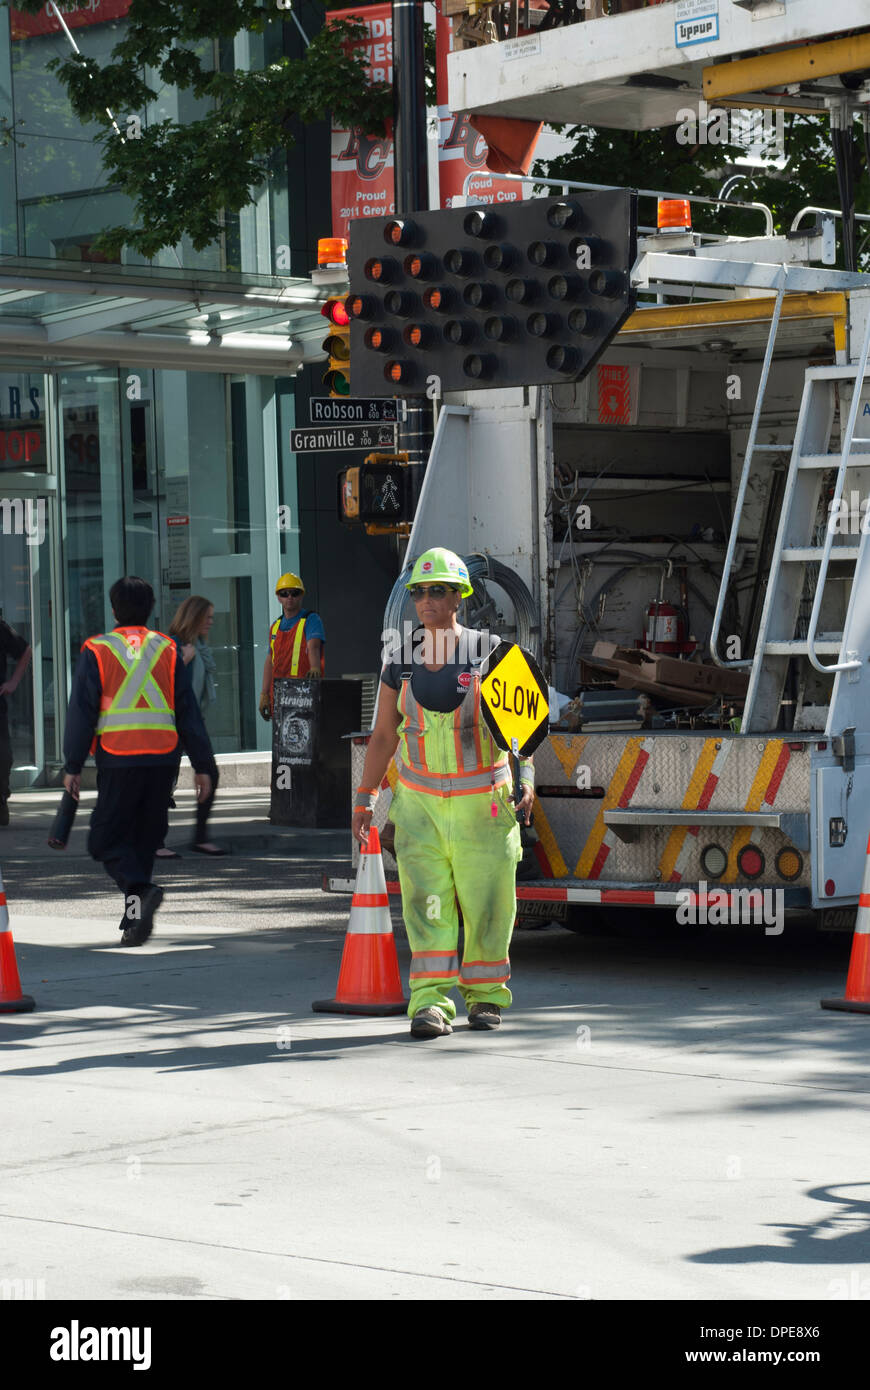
column 442, row 690
column 13, row 645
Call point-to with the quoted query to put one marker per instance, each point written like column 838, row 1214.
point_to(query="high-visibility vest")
column 290, row 650
column 448, row 755
column 137, row 699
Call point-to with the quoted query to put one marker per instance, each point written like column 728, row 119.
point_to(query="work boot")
column 484, row 1015
column 4, row 811
column 150, row 898
column 429, row 1023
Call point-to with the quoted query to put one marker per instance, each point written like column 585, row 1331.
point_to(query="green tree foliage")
column 658, row 160
column 183, row 177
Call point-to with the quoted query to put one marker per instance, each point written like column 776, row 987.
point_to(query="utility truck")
column 681, row 538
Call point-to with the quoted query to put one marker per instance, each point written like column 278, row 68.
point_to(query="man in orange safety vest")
column 131, row 698
column 296, row 641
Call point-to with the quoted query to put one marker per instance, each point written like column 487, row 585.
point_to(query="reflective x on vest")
column 295, row 636
column 448, row 754
column 137, row 706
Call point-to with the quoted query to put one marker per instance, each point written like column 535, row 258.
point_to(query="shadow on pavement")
column 817, row 1243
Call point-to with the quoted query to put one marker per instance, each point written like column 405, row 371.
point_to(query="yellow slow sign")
column 515, row 698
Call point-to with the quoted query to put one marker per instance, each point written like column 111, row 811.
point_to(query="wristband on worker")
column 527, row 773
column 367, row 798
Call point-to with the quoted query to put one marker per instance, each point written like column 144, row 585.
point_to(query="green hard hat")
column 441, row 565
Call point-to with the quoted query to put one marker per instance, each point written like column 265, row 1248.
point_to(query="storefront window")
column 15, row 610
column 28, row 547
column 88, row 404
column 56, row 157
column 22, row 423
column 205, row 534
column 8, row 220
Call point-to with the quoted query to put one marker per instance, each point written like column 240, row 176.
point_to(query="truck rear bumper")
column 729, row 899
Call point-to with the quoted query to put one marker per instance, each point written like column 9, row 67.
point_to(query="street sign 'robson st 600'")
column 322, row 439
column 353, row 410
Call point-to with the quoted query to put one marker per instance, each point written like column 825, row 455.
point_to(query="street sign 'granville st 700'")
column 320, row 439
column 352, row 410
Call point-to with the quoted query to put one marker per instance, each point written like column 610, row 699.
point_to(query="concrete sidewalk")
column 657, row 1119
column 239, row 821
column 70, row 881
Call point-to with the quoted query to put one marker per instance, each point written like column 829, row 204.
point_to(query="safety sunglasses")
column 289, row 593
column 433, row 590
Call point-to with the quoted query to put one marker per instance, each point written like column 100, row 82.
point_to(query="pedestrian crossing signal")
column 378, row 493
column 336, row 345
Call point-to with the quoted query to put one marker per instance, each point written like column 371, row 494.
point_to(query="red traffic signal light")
column 336, row 311
column 336, row 345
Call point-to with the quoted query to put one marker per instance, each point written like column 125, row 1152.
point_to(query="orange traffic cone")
column 12, row 1001
column 368, row 982
column 857, row 997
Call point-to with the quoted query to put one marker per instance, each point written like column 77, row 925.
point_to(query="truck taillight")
column 714, row 861
column 789, row 864
column 750, row 861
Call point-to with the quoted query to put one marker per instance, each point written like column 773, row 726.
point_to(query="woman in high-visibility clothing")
column 457, row 837
column 296, row 641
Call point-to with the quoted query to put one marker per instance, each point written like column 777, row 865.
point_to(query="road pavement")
column 661, row 1116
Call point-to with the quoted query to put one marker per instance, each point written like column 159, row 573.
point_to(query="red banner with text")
column 362, row 165
column 461, row 151
column 27, row 26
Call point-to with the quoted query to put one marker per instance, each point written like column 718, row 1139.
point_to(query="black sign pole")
column 515, row 764
column 411, row 168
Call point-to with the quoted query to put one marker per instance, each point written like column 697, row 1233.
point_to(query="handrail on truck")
column 566, row 184
column 826, row 212
column 849, row 439
column 750, row 450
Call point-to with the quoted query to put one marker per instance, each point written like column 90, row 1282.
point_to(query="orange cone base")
column 338, row 1006
column 12, row 1001
column 857, row 997
column 368, row 982
column 22, row 1005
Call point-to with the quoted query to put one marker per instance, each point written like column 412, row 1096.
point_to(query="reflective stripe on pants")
column 451, row 851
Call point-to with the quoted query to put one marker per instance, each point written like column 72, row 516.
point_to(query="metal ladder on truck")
column 795, row 551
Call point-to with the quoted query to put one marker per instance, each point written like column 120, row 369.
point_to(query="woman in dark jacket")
column 190, row 628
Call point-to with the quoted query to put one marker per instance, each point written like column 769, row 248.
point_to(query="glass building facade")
column 176, row 475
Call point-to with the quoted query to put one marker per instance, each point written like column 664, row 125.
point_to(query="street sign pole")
column 410, row 159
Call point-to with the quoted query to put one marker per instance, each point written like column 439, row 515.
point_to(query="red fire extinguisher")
column 664, row 629
column 666, row 626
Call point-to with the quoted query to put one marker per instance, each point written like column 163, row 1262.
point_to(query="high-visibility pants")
column 450, row 850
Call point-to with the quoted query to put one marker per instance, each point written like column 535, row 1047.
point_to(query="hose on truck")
column 639, row 561
column 479, row 610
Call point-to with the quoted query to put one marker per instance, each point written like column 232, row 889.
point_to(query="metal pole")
column 409, row 108
column 410, row 159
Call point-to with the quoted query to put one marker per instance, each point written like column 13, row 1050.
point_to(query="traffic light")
column 378, row 493
column 336, row 345
column 470, row 298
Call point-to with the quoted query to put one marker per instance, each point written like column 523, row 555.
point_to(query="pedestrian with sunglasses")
column 457, row 836
column 296, row 641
